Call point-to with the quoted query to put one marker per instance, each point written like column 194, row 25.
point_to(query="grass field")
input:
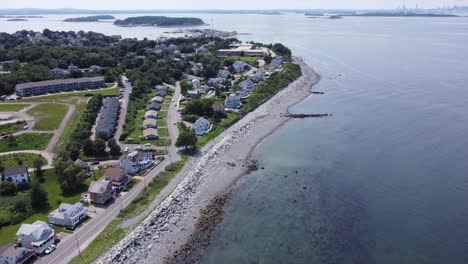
column 30, row 141
column 12, row 128
column 163, row 132
column 161, row 123
column 52, row 186
column 12, row 107
column 48, row 116
column 11, row 160
column 215, row 131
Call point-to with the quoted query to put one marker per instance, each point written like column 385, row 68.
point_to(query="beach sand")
column 208, row 176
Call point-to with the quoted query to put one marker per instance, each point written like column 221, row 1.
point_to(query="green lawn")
column 52, row 186
column 164, row 107
column 231, row 118
column 48, row 116
column 11, row 160
column 30, row 141
column 215, row 131
column 163, row 132
column 162, row 114
column 12, row 128
column 12, row 107
column 161, row 123
column 249, row 60
column 137, row 133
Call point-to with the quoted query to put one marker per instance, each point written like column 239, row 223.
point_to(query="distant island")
column 313, row 14
column 160, row 21
column 272, row 13
column 335, row 17
column 22, row 16
column 17, row 19
column 89, row 18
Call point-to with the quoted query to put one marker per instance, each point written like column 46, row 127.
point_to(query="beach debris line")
column 305, row 115
column 317, row 92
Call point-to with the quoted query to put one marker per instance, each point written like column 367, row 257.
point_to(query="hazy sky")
column 224, row 4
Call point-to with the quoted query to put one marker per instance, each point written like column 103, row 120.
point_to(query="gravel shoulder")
column 208, row 176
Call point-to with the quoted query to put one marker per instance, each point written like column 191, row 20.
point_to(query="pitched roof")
column 58, row 82
column 15, row 171
column 11, row 250
column 35, row 229
column 149, row 121
column 113, row 172
column 150, row 132
column 98, row 186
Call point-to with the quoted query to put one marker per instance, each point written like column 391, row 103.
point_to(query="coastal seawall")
column 223, row 160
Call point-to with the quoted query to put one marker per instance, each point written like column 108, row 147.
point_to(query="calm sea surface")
column 385, row 180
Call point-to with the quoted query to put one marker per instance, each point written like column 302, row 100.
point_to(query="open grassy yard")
column 48, row 116
column 161, row 123
column 12, row 128
column 54, row 195
column 163, row 132
column 215, row 131
column 11, row 160
column 12, row 107
column 30, row 141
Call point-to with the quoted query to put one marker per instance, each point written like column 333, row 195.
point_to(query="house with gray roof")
column 240, row 66
column 37, row 236
column 201, row 49
column 247, row 85
column 154, row 106
column 233, row 101
column 12, row 254
column 202, row 126
column 150, row 134
column 19, row 176
column 215, row 82
column 149, row 123
column 224, row 74
column 100, row 192
column 158, row 99
column 136, row 161
column 58, row 73
column 276, row 62
column 68, row 215
column 151, row 114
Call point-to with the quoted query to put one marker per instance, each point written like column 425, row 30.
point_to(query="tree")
column 11, row 141
column 37, row 164
column 114, row 147
column 70, row 175
column 88, row 147
column 187, row 139
column 38, row 196
column 7, row 189
column 185, row 85
column 99, row 147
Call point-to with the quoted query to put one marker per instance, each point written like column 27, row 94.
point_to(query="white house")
column 202, row 126
column 12, row 254
column 18, row 175
column 201, row 49
column 151, row 114
column 37, row 236
column 233, row 102
column 136, row 162
column 196, row 83
column 157, row 99
column 68, row 215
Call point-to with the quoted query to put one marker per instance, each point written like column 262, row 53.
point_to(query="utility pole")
column 78, row 246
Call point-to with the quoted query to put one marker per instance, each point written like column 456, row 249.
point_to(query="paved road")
column 67, row 248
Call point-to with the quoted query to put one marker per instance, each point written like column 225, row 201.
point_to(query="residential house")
column 37, row 236
column 196, row 83
column 94, row 68
column 157, row 99
column 217, row 107
column 194, row 93
column 240, row 66
column 224, row 74
column 84, row 165
column 19, row 176
column 201, row 49
column 151, row 114
column 260, row 74
column 215, row 82
column 106, row 125
column 12, row 254
column 117, row 177
column 150, row 133
column 160, row 88
column 136, row 162
column 57, row 72
column 276, row 62
column 68, row 215
column 247, row 85
column 233, row 102
column 202, row 126
column 73, row 67
column 242, row 93
column 154, row 106
column 149, row 123
column 100, row 192
column 161, row 93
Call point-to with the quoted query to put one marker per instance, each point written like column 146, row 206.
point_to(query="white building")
column 18, row 176
column 37, row 236
column 233, row 102
column 202, row 126
column 136, row 162
column 68, row 215
column 151, row 114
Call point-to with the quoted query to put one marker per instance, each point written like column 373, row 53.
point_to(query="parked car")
column 147, row 145
column 95, row 163
column 50, row 249
column 126, row 149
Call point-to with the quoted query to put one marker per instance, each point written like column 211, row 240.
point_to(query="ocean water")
column 385, row 180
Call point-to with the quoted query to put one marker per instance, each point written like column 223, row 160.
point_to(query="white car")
column 126, row 149
column 173, row 100
column 50, row 249
column 147, row 145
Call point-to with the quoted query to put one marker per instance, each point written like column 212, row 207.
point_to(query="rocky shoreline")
column 201, row 195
